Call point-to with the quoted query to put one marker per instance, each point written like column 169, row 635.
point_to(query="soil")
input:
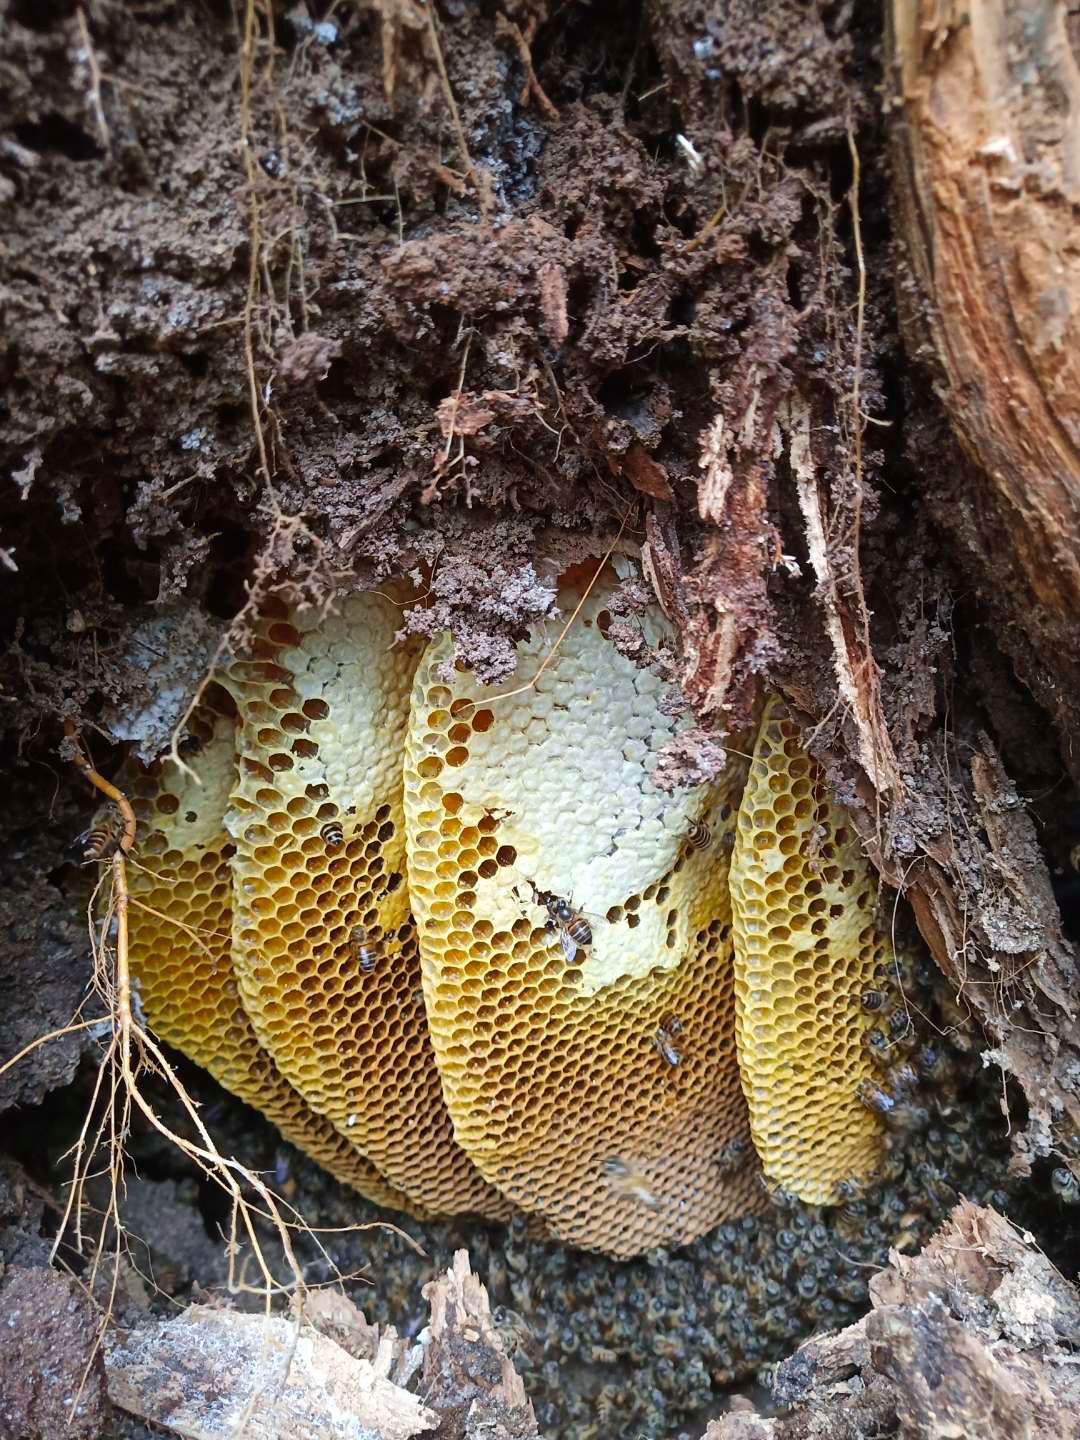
column 451, row 297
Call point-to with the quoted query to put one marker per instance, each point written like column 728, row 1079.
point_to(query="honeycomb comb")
column 180, row 940
column 323, row 943
column 598, row 1089
column 806, row 948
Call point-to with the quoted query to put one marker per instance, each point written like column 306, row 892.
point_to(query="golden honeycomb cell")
column 806, row 947
column 180, row 923
column 559, row 1072
column 323, row 942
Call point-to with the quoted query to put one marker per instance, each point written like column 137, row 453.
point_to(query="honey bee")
column 912, row 1227
column 1064, row 1185
column 903, row 1079
column 872, row 999
column 665, row 1045
column 848, row 1190
column 806, row 1287
column 877, row 1042
column 731, row 1156
column 573, row 929
column 698, row 835
column 900, row 1026
column 754, row 1280
column 929, row 1062
column 876, row 1099
column 333, row 834
column 513, row 1331
column 103, row 838
column 630, row 1182
column 934, row 1183
column 781, row 1198
column 367, row 949
column 906, row 1118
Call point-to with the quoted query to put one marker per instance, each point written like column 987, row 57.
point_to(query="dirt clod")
column 52, row 1380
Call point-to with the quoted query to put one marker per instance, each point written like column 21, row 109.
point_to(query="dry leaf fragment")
column 646, row 474
column 553, row 303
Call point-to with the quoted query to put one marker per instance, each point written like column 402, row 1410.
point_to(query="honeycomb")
column 597, row 1087
column 806, row 949
column 588, row 995
column 180, row 919
column 323, row 943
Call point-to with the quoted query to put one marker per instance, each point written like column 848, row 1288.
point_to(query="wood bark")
column 986, row 149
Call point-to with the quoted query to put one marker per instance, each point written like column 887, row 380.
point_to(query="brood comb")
column 323, row 942
column 180, row 924
column 595, row 1083
column 806, row 949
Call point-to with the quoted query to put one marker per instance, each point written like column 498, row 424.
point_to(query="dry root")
column 261, row 1223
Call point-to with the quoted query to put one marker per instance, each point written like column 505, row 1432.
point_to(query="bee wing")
column 569, row 945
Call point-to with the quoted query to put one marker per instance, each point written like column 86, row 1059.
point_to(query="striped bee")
column 573, row 929
column 876, row 1099
column 367, row 949
column 664, row 1043
column 698, row 835
column 1064, row 1185
column 731, row 1156
column 103, row 838
column 333, row 834
column 629, row 1181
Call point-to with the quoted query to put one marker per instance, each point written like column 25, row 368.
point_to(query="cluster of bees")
column 660, row 1335
column 643, row 1347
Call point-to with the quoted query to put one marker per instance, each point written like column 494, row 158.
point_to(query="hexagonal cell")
column 804, row 1064
column 183, row 966
column 364, row 973
column 583, row 1078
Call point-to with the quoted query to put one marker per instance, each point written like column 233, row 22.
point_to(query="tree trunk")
column 986, row 154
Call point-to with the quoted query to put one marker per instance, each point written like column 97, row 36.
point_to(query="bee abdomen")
column 580, row 931
column 102, row 840
column 367, row 949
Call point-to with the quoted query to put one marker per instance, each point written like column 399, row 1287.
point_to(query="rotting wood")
column 856, row 670
column 466, row 1375
column 987, row 167
column 973, row 1336
column 987, row 164
column 216, row 1373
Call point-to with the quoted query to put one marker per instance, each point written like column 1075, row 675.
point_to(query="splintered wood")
column 986, row 159
column 975, row 1336
column 219, row 1375
column 216, row 1374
